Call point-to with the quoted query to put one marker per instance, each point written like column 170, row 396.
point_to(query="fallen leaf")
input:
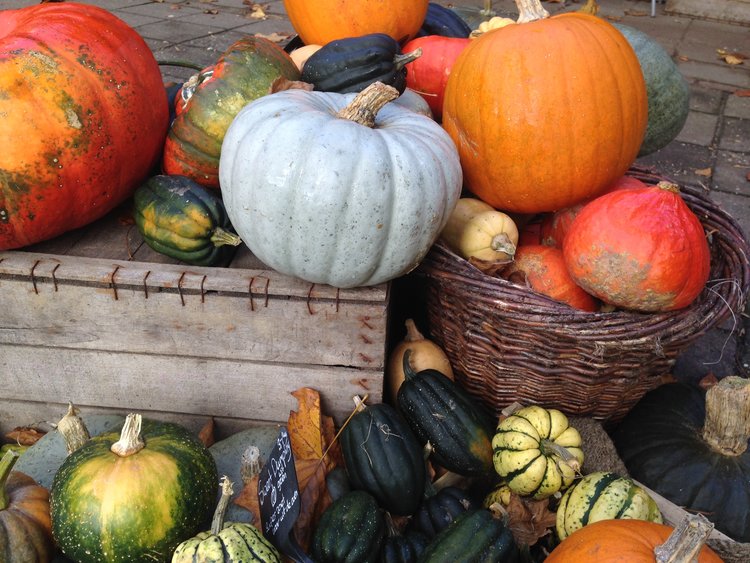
column 733, row 60
column 683, row 58
column 708, row 381
column 25, row 435
column 274, row 37
column 211, row 12
column 248, row 499
column 742, row 93
column 304, row 425
column 636, row 13
column 257, row 12
column 529, row 519
column 206, row 435
column 282, row 83
column 705, row 172
column 314, row 499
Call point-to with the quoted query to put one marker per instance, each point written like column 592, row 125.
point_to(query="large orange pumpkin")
column 618, row 541
column 84, row 117
column 320, row 21
column 546, row 113
column 640, row 249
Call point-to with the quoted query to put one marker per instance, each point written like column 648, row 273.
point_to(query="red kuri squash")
column 85, row 115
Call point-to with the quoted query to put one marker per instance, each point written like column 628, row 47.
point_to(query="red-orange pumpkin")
column 618, row 541
column 554, row 226
column 546, row 113
column 640, row 249
column 544, row 270
column 84, row 117
column 428, row 75
column 318, row 22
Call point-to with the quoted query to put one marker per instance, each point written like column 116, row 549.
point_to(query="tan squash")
column 481, row 234
column 425, row 354
column 300, row 56
column 495, row 22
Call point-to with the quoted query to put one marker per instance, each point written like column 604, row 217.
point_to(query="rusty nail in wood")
column 33, row 279
column 112, row 281
column 145, row 287
column 54, row 279
column 309, row 296
column 179, row 288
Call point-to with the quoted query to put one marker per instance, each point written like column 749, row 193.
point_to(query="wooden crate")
column 97, row 318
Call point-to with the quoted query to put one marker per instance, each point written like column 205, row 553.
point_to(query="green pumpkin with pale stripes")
column 132, row 496
column 536, row 452
column 227, row 542
column 603, row 496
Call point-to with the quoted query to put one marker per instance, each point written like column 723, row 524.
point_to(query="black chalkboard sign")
column 279, row 497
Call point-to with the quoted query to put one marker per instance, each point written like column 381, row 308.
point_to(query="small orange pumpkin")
column 641, row 249
column 318, row 22
column 546, row 113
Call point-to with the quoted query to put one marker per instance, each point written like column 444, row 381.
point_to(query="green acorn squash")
column 667, row 90
column 603, row 496
column 351, row 530
column 444, row 22
column 691, row 447
column 384, row 458
column 211, row 99
column 227, row 542
column 181, row 219
column 439, row 510
column 404, row 548
column 134, row 495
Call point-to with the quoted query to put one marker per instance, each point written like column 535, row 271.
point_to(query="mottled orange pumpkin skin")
column 618, row 541
column 318, row 22
column 641, row 249
column 84, row 116
column 546, row 114
column 544, row 268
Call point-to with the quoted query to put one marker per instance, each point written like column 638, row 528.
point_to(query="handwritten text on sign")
column 278, row 490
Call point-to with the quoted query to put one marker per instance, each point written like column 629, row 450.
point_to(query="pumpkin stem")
column 412, row 332
column 217, row 524
column 487, row 9
column 498, row 511
column 668, row 186
column 130, row 441
column 685, row 541
column 727, row 424
column 6, row 464
column 359, row 404
column 501, row 243
column 220, row 237
column 530, row 10
column 181, row 64
column 250, row 464
column 72, row 429
column 403, row 59
column 366, row 105
column 590, row 7
column 548, row 446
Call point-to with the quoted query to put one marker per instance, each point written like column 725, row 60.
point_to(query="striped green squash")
column 603, row 496
column 536, row 452
column 227, row 542
column 134, row 495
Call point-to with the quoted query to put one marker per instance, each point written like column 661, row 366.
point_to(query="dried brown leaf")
column 24, row 435
column 705, row 172
column 314, row 499
column 733, row 60
column 708, row 381
column 305, row 425
column 683, row 58
column 274, row 37
column 206, row 435
column 212, row 12
column 248, row 498
column 529, row 519
column 257, row 12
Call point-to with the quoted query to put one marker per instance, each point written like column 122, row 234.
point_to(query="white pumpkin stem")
column 72, row 429
column 366, row 105
column 217, row 524
column 530, row 10
column 727, row 424
column 6, row 465
column 685, row 541
column 220, row 237
column 250, row 464
column 130, row 441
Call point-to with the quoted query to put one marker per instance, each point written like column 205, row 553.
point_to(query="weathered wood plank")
column 180, row 385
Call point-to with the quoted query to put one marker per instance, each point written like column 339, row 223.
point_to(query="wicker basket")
column 507, row 343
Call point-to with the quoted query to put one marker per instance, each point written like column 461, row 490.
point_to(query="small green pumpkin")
column 536, row 452
column 384, row 458
column 181, row 219
column 227, row 542
column 351, row 530
column 439, row 510
column 603, row 496
column 133, row 495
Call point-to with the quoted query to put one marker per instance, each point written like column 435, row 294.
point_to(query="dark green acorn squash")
column 404, row 548
column 476, row 536
column 352, row 64
column 438, row 511
column 181, row 219
column 133, row 495
column 691, row 447
column 667, row 90
column 443, row 21
column 384, row 458
column 443, row 413
column 351, row 530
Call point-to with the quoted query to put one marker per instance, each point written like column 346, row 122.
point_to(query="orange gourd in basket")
column 546, row 113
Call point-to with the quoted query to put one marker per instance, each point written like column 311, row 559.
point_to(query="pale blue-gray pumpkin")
column 667, row 90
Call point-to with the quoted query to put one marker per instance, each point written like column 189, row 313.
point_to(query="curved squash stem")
column 130, row 441
column 181, row 64
column 400, row 61
column 250, row 464
column 366, row 105
column 412, row 332
column 668, row 186
column 548, row 446
column 6, row 464
column 727, row 425
column 72, row 429
column 217, row 524
column 530, row 10
column 502, row 243
column 220, row 237
column 685, row 541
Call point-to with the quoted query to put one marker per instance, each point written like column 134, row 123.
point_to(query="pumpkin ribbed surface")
column 547, row 113
column 84, row 117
